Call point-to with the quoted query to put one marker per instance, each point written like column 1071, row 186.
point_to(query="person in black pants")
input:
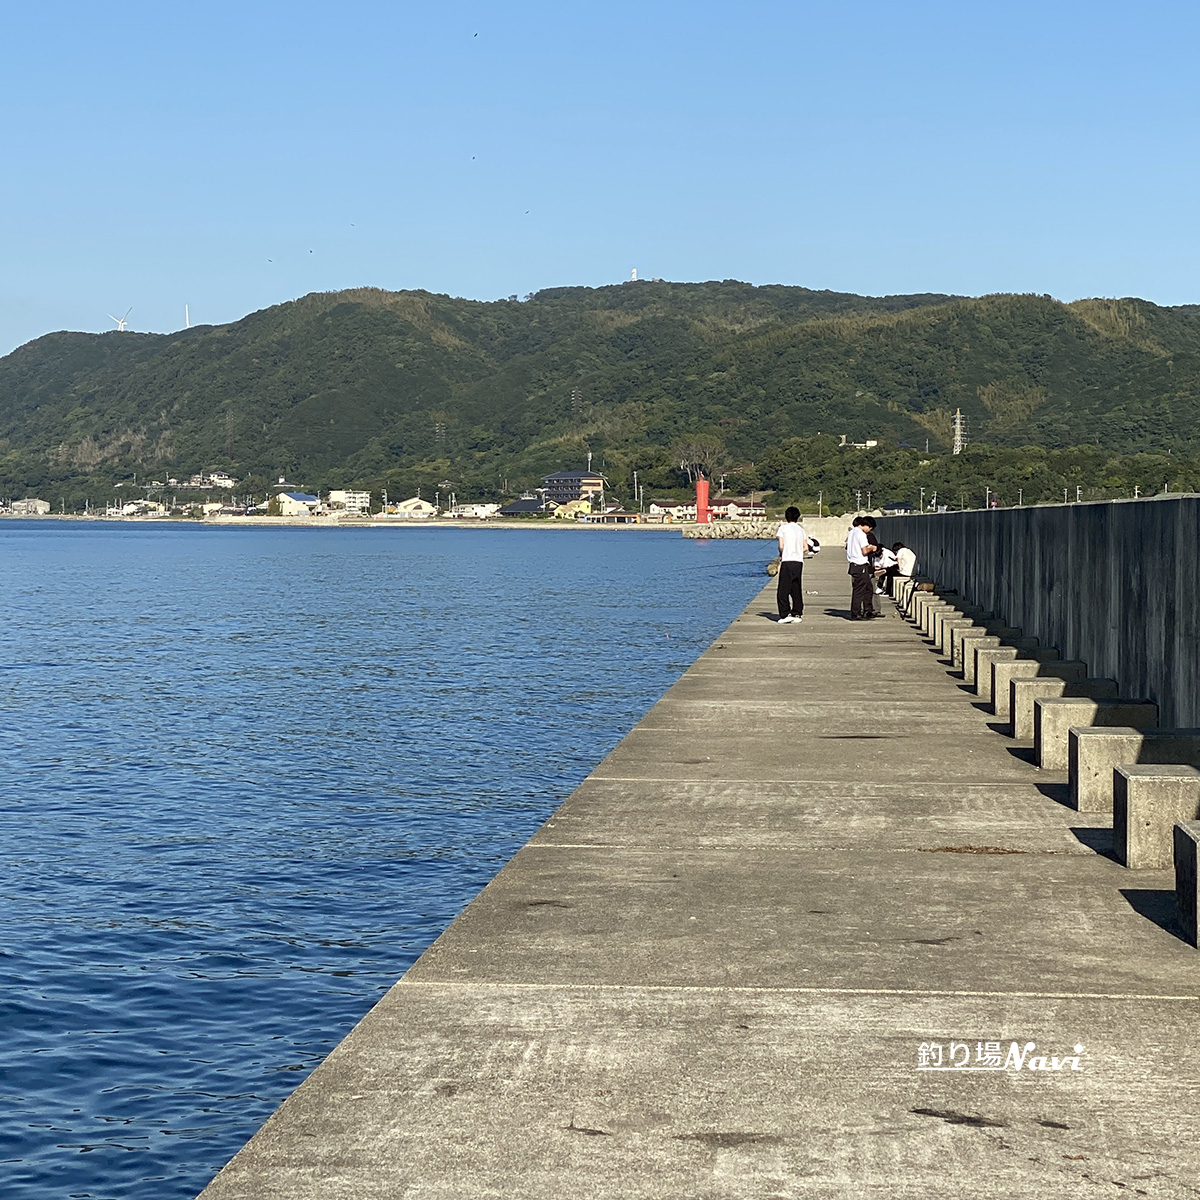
column 793, row 545
column 860, row 547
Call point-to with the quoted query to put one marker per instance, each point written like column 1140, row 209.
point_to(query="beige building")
column 30, row 508
column 416, row 508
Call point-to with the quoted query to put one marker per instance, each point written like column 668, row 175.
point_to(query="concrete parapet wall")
column 1113, row 584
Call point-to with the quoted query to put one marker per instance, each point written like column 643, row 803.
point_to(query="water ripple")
column 249, row 775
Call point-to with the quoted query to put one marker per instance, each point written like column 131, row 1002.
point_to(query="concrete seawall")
column 744, row 959
column 1113, row 584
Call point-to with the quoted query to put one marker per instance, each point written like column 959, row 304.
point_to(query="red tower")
column 703, row 515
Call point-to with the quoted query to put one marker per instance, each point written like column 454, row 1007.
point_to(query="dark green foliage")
column 398, row 390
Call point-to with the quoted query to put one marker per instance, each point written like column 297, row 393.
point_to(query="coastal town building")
column 29, row 508
column 414, row 509
column 528, row 506
column 572, row 485
column 573, row 509
column 296, row 504
column 737, row 509
column 673, row 510
column 472, row 512
column 346, row 501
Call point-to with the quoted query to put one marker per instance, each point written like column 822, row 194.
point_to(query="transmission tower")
column 960, row 431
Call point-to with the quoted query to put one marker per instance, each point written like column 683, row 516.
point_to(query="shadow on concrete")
column 1003, row 728
column 1024, row 753
column 969, row 688
column 1060, row 793
column 844, row 613
column 770, row 616
column 1100, row 840
column 1157, row 905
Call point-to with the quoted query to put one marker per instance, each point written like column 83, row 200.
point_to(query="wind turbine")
column 121, row 321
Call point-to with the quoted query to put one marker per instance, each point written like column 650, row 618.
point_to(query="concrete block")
column 1187, row 898
column 1147, row 801
column 1022, row 692
column 927, row 614
column 984, row 659
column 1039, row 662
column 922, row 601
column 943, row 622
column 1054, row 718
column 960, row 639
column 1093, row 755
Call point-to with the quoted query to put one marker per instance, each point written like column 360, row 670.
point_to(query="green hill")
column 400, row 389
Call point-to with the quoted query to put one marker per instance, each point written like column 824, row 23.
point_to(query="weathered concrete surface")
column 1113, row 584
column 1147, row 801
column 709, row 973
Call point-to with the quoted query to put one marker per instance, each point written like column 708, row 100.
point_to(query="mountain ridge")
column 399, row 389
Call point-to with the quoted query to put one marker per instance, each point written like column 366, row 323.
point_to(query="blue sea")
column 248, row 775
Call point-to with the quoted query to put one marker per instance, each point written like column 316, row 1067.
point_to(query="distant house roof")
column 899, row 506
column 300, row 497
column 564, row 475
column 523, row 507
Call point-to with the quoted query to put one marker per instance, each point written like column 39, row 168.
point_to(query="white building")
column 473, row 512
column 677, row 510
column 296, row 504
column 738, row 509
column 30, row 508
column 359, row 502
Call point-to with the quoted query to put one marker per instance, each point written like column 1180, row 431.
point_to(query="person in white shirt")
column 794, row 543
column 885, row 568
column 860, row 549
column 906, row 560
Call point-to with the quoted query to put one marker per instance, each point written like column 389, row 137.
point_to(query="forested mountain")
column 400, row 389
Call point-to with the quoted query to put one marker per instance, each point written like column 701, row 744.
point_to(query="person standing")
column 793, row 545
column 859, row 550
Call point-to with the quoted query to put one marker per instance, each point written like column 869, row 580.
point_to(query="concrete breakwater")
column 811, row 929
column 827, row 530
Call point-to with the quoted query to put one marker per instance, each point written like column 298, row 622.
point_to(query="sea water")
column 248, row 775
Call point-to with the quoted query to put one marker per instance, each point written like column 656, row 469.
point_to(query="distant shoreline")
column 334, row 523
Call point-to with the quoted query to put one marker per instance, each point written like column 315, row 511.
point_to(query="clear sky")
column 233, row 155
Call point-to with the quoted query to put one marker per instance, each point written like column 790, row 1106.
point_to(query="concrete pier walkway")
column 712, row 972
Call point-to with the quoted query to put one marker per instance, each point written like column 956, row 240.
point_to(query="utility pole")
column 1137, row 491
column 858, row 501
column 1020, row 497
column 821, row 503
column 922, row 499
column 1078, row 493
column 987, row 497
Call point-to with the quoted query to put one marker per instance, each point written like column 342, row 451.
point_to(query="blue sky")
column 231, row 156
